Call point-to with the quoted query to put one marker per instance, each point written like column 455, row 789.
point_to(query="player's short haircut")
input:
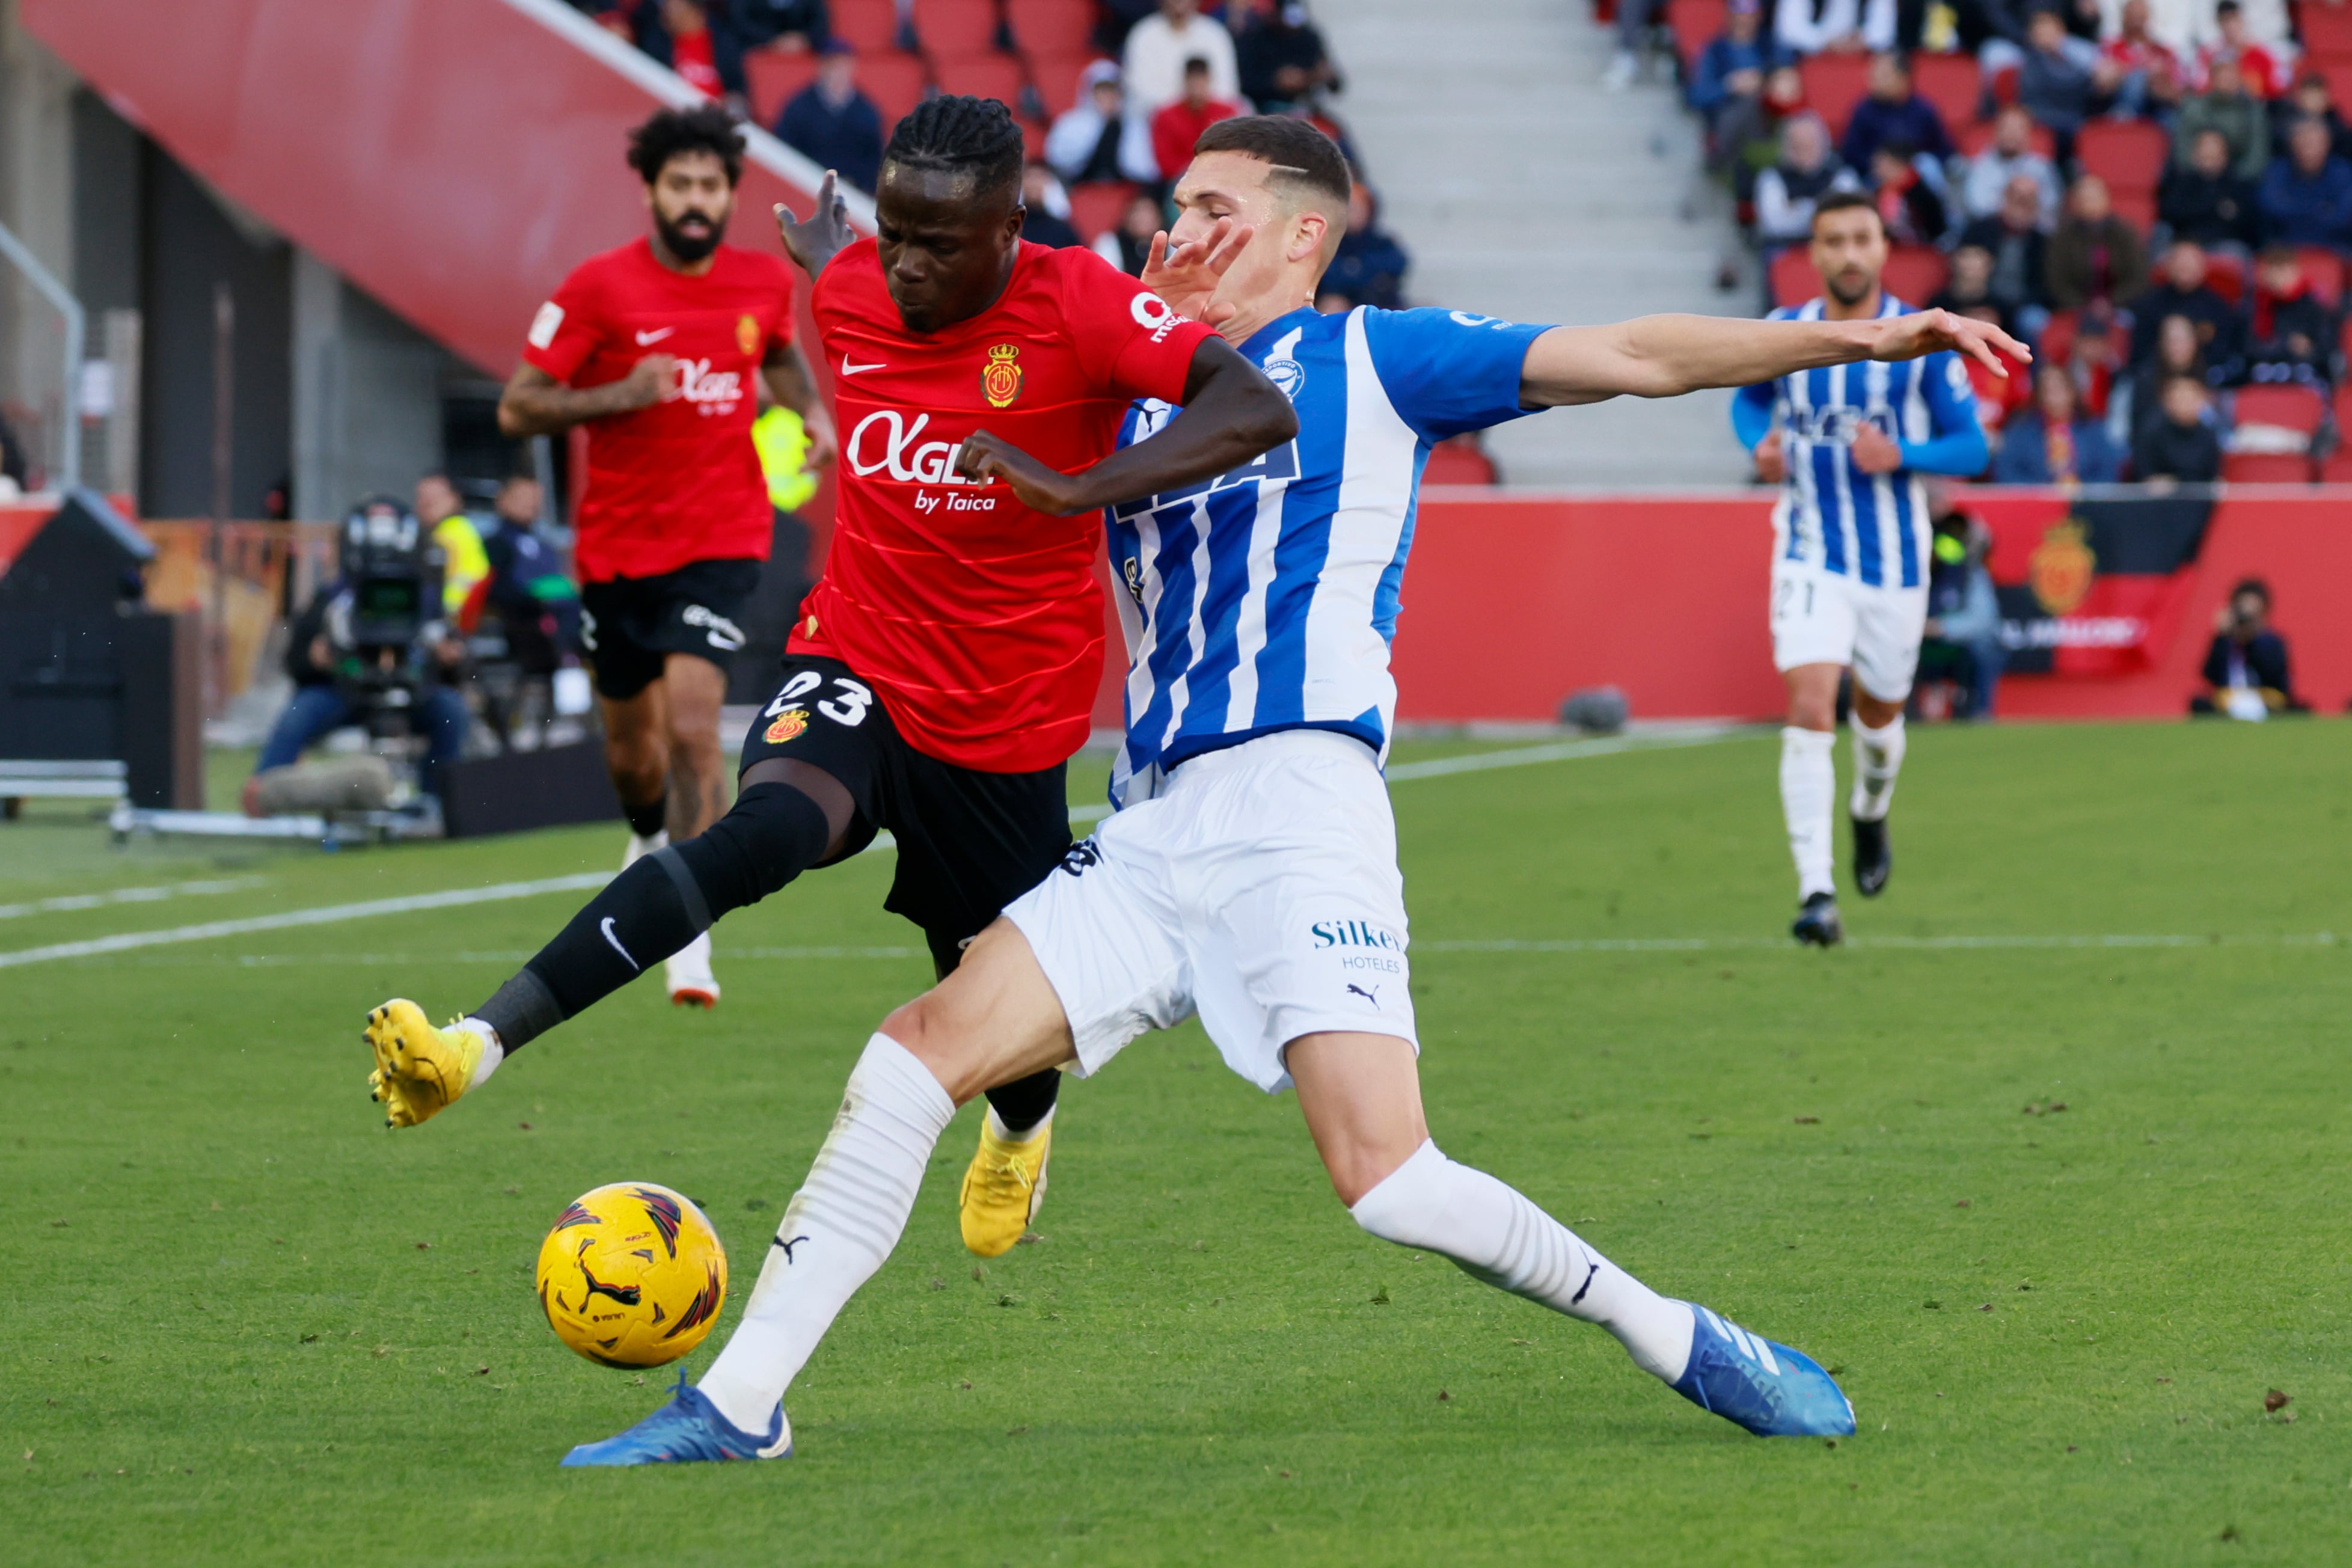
column 1842, row 201
column 705, row 128
column 958, row 135
column 1308, row 169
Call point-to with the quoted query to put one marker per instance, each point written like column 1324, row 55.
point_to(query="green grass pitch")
column 246, row 1325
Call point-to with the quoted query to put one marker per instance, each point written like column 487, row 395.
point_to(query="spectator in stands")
column 2136, row 72
column 2054, row 81
column 792, row 25
column 2097, row 358
column 1892, row 112
column 1096, row 139
column 2183, row 291
column 2310, row 100
column 2178, row 354
column 2020, row 252
column 1970, row 284
column 1117, row 19
column 1128, row 246
column 2179, row 447
column 1785, row 192
column 692, row 53
column 1045, row 208
column 1158, row 48
column 1728, row 77
column 2008, row 154
column 2055, row 445
column 2000, row 393
column 2263, row 68
column 832, row 122
column 1907, row 204
column 1282, row 58
column 1836, row 26
column 1369, row 265
column 2288, row 337
column 1751, row 129
column 1962, row 635
column 2227, row 107
column 2093, row 254
column 1178, row 125
column 1636, row 24
column 2207, row 203
column 2246, row 673
column 2306, row 196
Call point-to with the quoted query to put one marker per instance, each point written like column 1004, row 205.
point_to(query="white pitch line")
column 329, row 914
column 1906, row 943
column 67, row 902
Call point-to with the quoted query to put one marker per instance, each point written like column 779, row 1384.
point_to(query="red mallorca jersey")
column 679, row 482
column 978, row 618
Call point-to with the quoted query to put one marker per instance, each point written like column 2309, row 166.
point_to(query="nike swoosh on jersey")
column 849, row 369
column 654, row 337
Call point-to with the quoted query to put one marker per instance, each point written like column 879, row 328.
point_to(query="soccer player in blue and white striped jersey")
column 1250, row 873
column 1848, row 444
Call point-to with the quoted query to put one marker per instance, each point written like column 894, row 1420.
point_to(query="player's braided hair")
column 960, row 135
column 705, row 128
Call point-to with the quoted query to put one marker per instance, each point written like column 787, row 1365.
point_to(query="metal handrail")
column 70, row 436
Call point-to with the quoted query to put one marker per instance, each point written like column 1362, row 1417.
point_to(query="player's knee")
column 1405, row 1203
column 771, row 835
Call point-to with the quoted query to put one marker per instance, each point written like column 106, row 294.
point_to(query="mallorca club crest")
column 788, row 726
column 1000, row 379
column 2061, row 566
column 747, row 334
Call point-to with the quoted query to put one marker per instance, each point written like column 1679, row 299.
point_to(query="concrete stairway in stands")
column 1522, row 189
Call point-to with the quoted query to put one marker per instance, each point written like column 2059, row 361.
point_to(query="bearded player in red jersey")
column 654, row 347
column 944, row 669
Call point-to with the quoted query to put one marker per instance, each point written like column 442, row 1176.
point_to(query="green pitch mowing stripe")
column 249, row 1327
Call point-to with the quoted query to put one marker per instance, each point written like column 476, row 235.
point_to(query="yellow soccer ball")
column 632, row 1275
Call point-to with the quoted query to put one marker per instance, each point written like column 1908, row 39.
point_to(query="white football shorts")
column 1827, row 617
column 1260, row 888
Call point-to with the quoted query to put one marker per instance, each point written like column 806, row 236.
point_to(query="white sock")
column 1808, row 794
column 837, row 1231
column 1496, row 1234
column 1877, row 758
column 640, row 848
column 996, row 1125
column 494, row 1051
column 693, row 958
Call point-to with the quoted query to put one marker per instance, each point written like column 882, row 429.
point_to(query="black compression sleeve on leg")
column 658, row 905
column 646, row 820
column 1024, row 1102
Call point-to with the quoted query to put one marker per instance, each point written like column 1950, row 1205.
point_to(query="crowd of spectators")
column 2155, row 195
column 1151, row 77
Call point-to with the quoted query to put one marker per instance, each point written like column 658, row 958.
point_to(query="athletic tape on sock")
column 690, row 892
column 521, row 1010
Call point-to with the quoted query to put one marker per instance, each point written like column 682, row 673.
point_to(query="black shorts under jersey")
column 969, row 842
column 630, row 625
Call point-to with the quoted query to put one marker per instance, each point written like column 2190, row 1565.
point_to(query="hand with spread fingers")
column 1186, row 276
column 419, row 1070
column 1923, row 332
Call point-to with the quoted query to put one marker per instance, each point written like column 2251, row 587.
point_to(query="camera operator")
column 372, row 649
column 2246, row 673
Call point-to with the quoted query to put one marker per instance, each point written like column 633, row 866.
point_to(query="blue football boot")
column 686, row 1431
column 1769, row 1389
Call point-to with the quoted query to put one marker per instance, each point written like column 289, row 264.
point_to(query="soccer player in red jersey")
column 944, row 670
column 654, row 347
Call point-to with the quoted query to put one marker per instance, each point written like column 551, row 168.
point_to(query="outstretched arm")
column 1666, row 356
column 1231, row 413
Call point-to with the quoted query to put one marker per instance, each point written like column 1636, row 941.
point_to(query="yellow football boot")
column 1002, row 1189
column 419, row 1070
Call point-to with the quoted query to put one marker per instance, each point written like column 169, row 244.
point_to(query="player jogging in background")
column 1250, row 873
column 1848, row 445
column 945, row 668
column 653, row 348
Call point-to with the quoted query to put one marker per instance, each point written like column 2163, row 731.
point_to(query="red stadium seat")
column 2004, row 85
column 2337, row 470
column 870, row 26
column 2292, row 408
column 895, row 83
column 1055, row 77
column 980, row 75
column 2338, row 72
column 2327, row 29
column 2058, row 337
column 2128, row 154
column 1694, row 24
column 1460, row 462
column 1096, row 209
column 1833, row 85
column 2226, row 276
column 2325, row 270
column 1972, row 140
column 1950, row 82
column 1051, row 27
column 1794, row 281
column 1914, row 273
column 955, row 27
column 2266, row 469
column 774, row 78
column 2137, row 208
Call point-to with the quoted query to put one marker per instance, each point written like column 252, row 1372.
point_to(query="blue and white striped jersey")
column 1266, row 598
column 1871, row 527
